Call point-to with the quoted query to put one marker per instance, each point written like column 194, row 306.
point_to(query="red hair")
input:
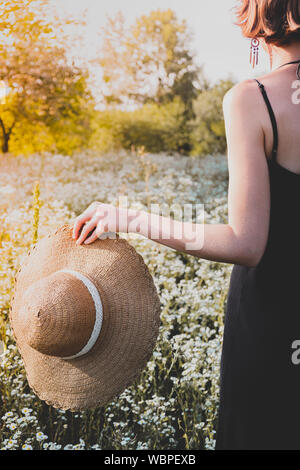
column 277, row 21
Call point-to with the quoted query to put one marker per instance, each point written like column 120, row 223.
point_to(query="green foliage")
column 36, row 211
column 28, row 138
column 208, row 135
column 43, row 92
column 18, row 18
column 149, row 65
column 165, row 127
column 156, row 127
column 150, row 61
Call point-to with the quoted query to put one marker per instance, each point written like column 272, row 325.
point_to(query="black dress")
column 260, row 374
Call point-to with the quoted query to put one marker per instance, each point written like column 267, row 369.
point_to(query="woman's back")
column 260, row 383
column 281, row 124
column 283, row 90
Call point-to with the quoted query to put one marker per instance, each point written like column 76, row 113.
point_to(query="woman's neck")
column 283, row 55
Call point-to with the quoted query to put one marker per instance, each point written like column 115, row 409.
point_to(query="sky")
column 218, row 43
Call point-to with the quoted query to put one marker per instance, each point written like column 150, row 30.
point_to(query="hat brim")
column 131, row 317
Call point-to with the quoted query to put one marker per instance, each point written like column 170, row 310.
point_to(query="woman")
column 260, row 375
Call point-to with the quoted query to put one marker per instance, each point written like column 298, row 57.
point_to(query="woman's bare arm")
column 241, row 241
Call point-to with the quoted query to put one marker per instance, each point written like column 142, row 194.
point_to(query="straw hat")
column 85, row 319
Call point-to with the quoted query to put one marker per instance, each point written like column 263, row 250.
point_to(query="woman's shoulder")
column 242, row 94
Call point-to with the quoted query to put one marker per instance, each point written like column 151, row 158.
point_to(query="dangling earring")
column 254, row 48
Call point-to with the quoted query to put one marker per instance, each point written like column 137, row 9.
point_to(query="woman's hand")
column 99, row 218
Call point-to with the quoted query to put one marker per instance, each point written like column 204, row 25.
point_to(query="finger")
column 102, row 227
column 86, row 230
column 82, row 219
column 91, row 238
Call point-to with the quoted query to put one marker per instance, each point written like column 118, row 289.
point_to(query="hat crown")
column 57, row 315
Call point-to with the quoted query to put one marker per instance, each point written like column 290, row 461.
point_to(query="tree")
column 42, row 87
column 148, row 62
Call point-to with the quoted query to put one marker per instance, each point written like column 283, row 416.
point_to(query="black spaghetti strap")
column 273, row 119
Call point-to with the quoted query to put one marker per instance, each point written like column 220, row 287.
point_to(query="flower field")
column 173, row 405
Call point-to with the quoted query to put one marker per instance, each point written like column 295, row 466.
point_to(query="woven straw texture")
column 131, row 317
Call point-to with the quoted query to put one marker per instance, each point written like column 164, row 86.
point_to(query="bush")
column 156, row 127
column 208, row 134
